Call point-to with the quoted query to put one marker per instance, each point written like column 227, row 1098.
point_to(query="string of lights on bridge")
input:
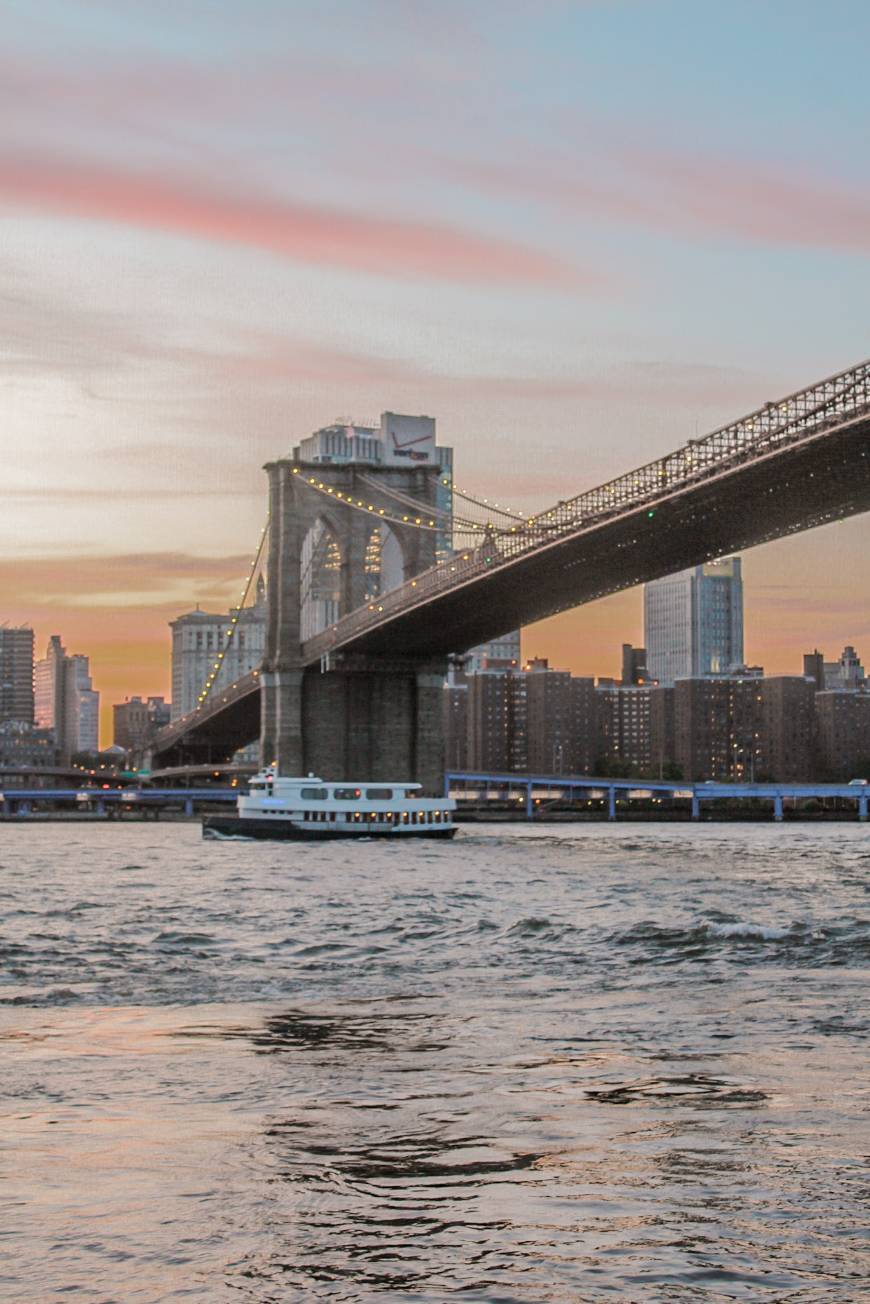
column 429, row 522
column 234, row 618
column 438, row 522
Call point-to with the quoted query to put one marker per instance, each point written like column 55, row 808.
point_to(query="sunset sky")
column 576, row 233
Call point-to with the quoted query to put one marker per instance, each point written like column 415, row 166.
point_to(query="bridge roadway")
column 789, row 466
column 821, row 478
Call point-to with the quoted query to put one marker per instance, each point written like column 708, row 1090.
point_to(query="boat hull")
column 278, row 830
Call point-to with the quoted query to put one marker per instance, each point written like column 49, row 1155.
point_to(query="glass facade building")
column 693, row 622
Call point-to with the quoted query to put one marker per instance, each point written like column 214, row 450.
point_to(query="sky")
column 577, row 232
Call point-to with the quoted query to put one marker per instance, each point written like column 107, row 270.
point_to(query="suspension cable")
column 449, row 519
column 429, row 525
column 391, row 492
column 483, row 502
column 234, row 619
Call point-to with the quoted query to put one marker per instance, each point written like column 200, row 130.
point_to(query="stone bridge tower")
column 365, row 717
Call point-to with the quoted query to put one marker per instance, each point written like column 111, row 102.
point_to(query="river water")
column 553, row 1063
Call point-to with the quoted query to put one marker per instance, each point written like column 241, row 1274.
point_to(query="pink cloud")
column 688, row 195
column 305, row 232
column 762, row 203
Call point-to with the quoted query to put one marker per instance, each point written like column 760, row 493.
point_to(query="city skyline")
column 549, row 639
column 212, row 248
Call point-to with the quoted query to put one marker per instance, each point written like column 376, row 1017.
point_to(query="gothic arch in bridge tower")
column 385, row 563
column 320, row 577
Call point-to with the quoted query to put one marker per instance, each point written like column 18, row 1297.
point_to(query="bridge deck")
column 809, row 482
column 790, row 466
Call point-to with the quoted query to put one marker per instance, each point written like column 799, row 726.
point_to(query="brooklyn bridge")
column 355, row 689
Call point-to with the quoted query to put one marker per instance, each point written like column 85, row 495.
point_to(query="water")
column 570, row 1063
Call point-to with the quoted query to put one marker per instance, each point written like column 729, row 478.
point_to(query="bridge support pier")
column 696, row 806
column 862, row 807
column 777, row 808
column 281, row 720
column 611, row 803
column 370, row 718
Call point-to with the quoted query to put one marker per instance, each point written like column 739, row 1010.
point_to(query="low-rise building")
column 843, row 735
column 25, row 747
column 136, row 721
column 624, row 737
column 456, row 695
column 717, row 728
column 498, row 722
column 550, row 719
column 788, row 728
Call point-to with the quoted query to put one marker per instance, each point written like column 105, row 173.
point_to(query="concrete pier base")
column 371, row 719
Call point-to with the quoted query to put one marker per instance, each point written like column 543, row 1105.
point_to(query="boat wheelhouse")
column 309, row 808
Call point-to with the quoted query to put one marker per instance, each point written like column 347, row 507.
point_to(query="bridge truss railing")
column 809, row 411
column 213, row 705
column 828, row 402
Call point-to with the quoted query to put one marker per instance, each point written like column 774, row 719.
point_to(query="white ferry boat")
column 278, row 807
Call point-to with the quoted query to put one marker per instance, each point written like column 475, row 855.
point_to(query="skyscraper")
column 199, row 638
column 693, row 622
column 16, row 675
column 499, row 654
column 81, row 727
column 66, row 701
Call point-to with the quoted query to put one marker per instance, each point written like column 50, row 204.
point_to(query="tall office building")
column 847, row 674
column 48, row 686
column 16, row 675
column 66, row 701
column 81, row 728
column 499, row 654
column 693, row 622
column 199, row 638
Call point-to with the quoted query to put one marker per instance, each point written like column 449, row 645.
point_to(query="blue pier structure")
column 534, row 794
column 23, row 802
column 540, row 791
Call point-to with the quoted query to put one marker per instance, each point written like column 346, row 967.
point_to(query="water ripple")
column 571, row 1064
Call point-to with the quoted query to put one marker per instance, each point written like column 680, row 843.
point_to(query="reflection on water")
column 558, row 1068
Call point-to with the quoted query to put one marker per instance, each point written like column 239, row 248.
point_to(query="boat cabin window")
column 346, row 794
column 314, row 794
column 379, row 794
column 257, row 785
